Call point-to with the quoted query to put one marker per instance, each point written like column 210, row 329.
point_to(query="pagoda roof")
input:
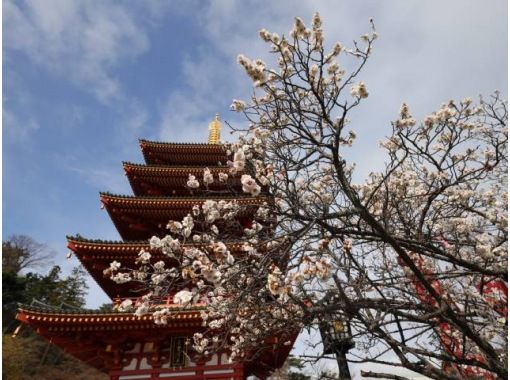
column 92, row 336
column 131, row 245
column 158, row 180
column 184, row 154
column 96, row 256
column 101, row 338
column 141, row 217
column 87, row 334
column 92, row 316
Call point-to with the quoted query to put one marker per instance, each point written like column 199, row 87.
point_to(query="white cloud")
column 186, row 113
column 111, row 179
column 18, row 130
column 81, row 39
column 427, row 53
column 133, row 119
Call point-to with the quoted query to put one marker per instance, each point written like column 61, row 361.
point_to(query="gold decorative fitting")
column 214, row 130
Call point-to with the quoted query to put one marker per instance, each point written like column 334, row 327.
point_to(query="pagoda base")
column 214, row 369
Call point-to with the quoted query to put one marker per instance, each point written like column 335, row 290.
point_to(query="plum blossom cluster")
column 431, row 224
column 208, row 274
column 250, row 185
column 406, row 120
column 414, row 258
column 359, row 90
column 193, row 182
column 207, row 180
column 320, row 268
column 255, row 69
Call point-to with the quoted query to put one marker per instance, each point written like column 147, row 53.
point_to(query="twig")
column 382, row 375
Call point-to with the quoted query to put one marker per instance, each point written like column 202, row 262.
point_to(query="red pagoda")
column 121, row 344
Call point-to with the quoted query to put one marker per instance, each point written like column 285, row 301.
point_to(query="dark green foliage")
column 50, row 289
column 13, row 291
column 298, row 376
column 106, row 308
column 56, row 291
column 296, row 363
column 328, row 375
column 28, row 356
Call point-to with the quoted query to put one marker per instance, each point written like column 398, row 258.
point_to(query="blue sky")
column 83, row 80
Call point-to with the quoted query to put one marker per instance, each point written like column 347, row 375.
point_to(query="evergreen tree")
column 28, row 356
column 296, row 367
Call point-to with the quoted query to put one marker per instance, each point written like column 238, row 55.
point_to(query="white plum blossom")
column 347, row 244
column 273, row 281
column 255, row 69
column 212, row 275
column 139, row 275
column 170, row 246
column 174, row 227
column 359, row 90
column 265, row 35
column 183, row 297
column 192, row 182
column 144, row 256
column 121, row 278
column 208, row 177
column 161, row 316
column 313, row 71
column 238, row 105
column 324, row 267
column 216, row 324
column 219, row 248
column 142, row 309
column 188, row 225
column 239, row 161
column 200, row 343
column 230, row 259
column 299, row 30
column 155, row 243
column 406, row 120
column 158, row 278
column 159, row 266
column 250, row 185
column 223, row 177
column 126, row 305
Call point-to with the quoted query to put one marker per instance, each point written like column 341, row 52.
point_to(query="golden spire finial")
column 214, row 130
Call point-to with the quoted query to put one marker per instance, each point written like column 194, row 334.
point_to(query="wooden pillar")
column 239, row 372
column 155, row 359
column 200, row 368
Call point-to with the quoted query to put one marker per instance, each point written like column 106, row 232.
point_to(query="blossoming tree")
column 414, row 258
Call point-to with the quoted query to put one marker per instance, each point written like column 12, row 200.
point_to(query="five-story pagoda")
column 122, row 344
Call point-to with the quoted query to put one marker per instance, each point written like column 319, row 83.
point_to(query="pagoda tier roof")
column 183, row 154
column 105, row 340
column 92, row 316
column 141, row 217
column 158, row 180
column 96, row 256
column 92, row 336
column 129, row 246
